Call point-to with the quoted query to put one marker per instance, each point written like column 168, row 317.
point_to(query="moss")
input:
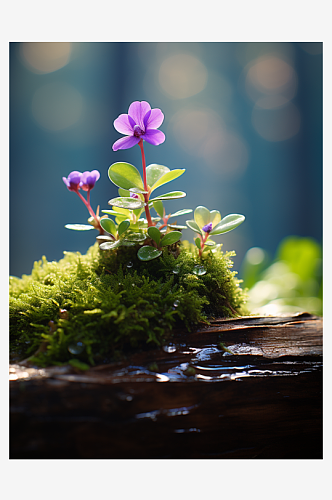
column 98, row 306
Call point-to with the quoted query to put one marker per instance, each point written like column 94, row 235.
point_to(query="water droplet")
column 76, row 348
column 176, row 269
column 130, row 264
column 176, row 303
column 169, row 348
column 199, row 270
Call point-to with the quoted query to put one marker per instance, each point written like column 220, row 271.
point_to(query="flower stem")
column 203, row 240
column 146, row 195
column 91, row 212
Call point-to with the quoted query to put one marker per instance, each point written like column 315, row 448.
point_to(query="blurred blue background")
column 243, row 119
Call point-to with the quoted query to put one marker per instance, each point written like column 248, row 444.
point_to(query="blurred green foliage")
column 292, row 282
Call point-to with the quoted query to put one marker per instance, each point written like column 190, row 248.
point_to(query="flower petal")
column 131, row 121
column 154, row 137
column 75, row 176
column 155, row 119
column 122, row 125
column 89, row 179
column 125, row 143
column 137, row 110
column 146, row 118
column 207, row 228
column 73, row 180
column 96, row 174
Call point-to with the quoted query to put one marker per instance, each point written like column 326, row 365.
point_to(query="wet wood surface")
column 259, row 395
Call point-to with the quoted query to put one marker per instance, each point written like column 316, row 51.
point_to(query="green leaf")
column 184, row 211
column 118, row 211
column 170, row 196
column 215, row 217
column 159, row 207
column 103, row 238
column 148, row 253
column 167, row 177
column 137, row 190
column 123, row 227
column 79, row 227
column 108, row 225
column 154, row 233
column 210, row 243
column 127, row 243
column 110, row 212
column 137, row 226
column 170, row 238
column 125, row 213
column 120, row 218
column 136, row 237
column 125, row 176
column 203, row 216
column 109, row 246
column 128, row 203
column 154, row 172
column 228, row 223
column 198, row 243
column 194, row 226
column 176, row 226
column 124, row 192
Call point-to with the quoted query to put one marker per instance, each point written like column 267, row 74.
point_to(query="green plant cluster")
column 291, row 282
column 90, row 309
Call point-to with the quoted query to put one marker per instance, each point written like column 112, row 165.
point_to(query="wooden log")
column 191, row 399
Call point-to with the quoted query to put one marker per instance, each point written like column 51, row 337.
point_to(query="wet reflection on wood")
column 263, row 401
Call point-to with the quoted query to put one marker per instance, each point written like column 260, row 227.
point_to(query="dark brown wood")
column 190, row 399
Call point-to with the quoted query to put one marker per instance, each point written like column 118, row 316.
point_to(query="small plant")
column 139, row 280
column 135, row 196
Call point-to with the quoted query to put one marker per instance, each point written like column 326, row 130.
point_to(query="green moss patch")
column 92, row 308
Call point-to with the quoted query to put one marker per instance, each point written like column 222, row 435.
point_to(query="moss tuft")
column 97, row 306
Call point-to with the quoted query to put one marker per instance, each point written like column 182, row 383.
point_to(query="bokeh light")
column 248, row 52
column 255, row 256
column 182, row 76
column 226, row 154
column 277, row 124
column 56, row 106
column 191, row 127
column 45, row 57
column 201, row 132
column 270, row 82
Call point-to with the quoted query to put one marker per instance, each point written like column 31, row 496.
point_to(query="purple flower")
column 134, row 195
column 89, row 179
column 73, row 180
column 207, row 228
column 141, row 122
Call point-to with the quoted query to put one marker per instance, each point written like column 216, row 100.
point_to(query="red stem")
column 91, row 212
column 146, row 195
column 203, row 240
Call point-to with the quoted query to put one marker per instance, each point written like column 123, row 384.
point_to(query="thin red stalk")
column 91, row 212
column 146, row 195
column 203, row 240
